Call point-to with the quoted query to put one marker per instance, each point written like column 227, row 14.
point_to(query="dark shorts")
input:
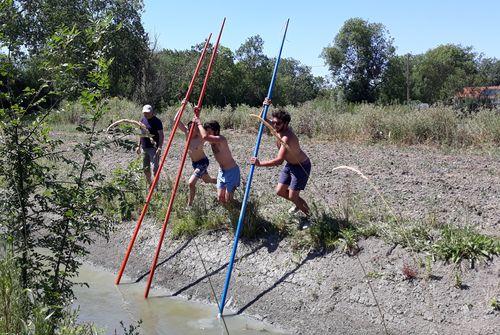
column 200, row 167
column 294, row 175
column 150, row 156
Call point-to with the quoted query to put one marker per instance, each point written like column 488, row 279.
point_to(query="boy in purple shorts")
column 228, row 178
column 199, row 160
column 294, row 175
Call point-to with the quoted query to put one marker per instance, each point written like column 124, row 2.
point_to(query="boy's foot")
column 303, row 223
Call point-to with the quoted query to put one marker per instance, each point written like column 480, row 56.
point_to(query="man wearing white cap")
column 150, row 147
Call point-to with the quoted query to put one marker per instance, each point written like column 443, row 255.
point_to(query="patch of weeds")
column 348, row 241
column 218, row 217
column 409, row 272
column 456, row 244
column 374, row 274
column 207, row 213
column 432, row 221
column 189, row 224
column 325, row 228
column 284, row 224
column 301, row 240
column 428, row 267
column 132, row 329
column 254, row 223
column 369, row 230
column 495, row 304
column 408, row 234
column 124, row 193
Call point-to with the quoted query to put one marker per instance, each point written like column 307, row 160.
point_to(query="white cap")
column 147, row 109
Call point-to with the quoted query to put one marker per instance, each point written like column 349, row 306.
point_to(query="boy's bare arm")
column 161, row 137
column 138, row 148
column 278, row 160
column 205, row 136
column 181, row 126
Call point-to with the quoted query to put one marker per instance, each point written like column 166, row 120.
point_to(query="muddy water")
column 106, row 305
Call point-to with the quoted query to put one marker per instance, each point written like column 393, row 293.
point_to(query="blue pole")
column 249, row 179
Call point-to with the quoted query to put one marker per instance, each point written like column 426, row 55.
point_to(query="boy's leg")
column 192, row 189
column 209, row 180
column 147, row 173
column 146, row 165
column 294, row 196
column 221, row 195
column 298, row 182
column 228, row 197
column 282, row 191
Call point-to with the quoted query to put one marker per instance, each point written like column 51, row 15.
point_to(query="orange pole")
column 181, row 165
column 164, row 156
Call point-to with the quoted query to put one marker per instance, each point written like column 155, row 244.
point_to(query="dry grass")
column 326, row 119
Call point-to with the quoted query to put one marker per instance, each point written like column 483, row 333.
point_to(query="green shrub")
column 126, row 192
column 456, row 244
column 22, row 313
column 325, row 227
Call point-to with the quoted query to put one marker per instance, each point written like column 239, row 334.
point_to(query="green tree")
column 488, row 72
column 393, row 85
column 255, row 69
column 295, row 83
column 173, row 73
column 224, row 87
column 359, row 57
column 50, row 214
column 30, row 24
column 441, row 72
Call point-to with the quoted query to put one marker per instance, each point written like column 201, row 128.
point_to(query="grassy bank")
column 340, row 226
column 325, row 119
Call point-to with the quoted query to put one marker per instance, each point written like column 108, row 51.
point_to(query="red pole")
column 164, row 156
column 181, row 165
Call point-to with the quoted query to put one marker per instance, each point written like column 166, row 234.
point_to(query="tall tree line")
column 239, row 77
column 366, row 68
column 362, row 60
column 138, row 70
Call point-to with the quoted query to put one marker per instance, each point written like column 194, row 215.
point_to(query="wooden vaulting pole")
column 162, row 161
column 197, row 110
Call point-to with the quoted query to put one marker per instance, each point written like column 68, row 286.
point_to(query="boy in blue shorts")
column 228, row 178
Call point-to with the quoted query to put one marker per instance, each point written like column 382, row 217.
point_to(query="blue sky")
column 415, row 26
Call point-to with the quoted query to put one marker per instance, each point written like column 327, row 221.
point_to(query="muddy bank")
column 309, row 293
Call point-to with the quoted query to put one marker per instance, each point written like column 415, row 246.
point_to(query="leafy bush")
column 22, row 313
column 457, row 244
column 125, row 191
column 325, row 227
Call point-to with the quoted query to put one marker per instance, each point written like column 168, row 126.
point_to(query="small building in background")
column 480, row 96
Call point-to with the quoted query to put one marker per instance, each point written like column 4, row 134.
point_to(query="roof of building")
column 478, row 91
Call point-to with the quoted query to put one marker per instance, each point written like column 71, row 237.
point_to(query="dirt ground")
column 311, row 293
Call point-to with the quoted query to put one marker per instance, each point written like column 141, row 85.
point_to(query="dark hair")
column 282, row 115
column 189, row 124
column 214, row 125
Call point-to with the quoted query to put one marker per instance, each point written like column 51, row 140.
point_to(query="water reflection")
column 106, row 305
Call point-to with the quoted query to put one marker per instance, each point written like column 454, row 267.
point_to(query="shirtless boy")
column 294, row 175
column 199, row 160
column 228, row 178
